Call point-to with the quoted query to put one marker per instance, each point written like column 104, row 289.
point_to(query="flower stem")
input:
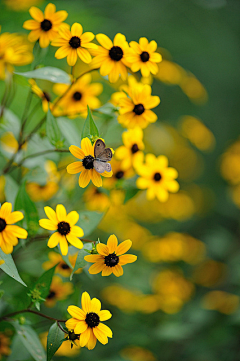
column 30, row 311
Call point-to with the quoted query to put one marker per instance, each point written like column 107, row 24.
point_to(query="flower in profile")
column 44, row 26
column 9, row 233
column 135, row 107
column 59, row 290
column 143, row 57
column 131, row 152
column 45, row 96
column 64, row 225
column 74, row 43
column 85, row 165
column 62, row 267
column 111, row 257
column 87, row 322
column 69, row 348
column 77, row 97
column 157, row 177
column 111, row 57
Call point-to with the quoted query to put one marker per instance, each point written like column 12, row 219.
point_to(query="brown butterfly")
column 102, row 156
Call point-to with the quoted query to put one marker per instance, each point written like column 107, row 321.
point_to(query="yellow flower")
column 85, row 166
column 4, row 345
column 135, row 107
column 10, row 233
column 136, row 353
column 142, row 57
column 86, row 322
column 41, row 94
column 44, row 26
column 157, row 178
column 111, row 57
column 111, row 257
column 221, row 301
column 118, row 174
column 58, row 291
column 62, row 267
column 73, row 44
column 21, row 5
column 67, row 348
column 64, row 225
column 96, row 200
column 38, row 192
column 130, row 153
column 77, row 97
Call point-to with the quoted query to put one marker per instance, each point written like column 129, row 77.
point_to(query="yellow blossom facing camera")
column 45, row 25
column 87, row 322
column 85, row 165
column 143, row 56
column 111, row 257
column 9, row 233
column 74, row 43
column 59, row 291
column 110, row 57
column 157, row 178
column 64, row 225
column 135, row 107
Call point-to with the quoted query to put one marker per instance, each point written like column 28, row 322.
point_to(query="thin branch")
column 30, row 311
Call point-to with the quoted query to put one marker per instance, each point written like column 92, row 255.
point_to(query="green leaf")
column 89, row 128
column 17, row 345
column 40, row 289
column 130, row 193
column 69, row 130
column 11, row 189
column 88, row 221
column 54, row 340
column 24, row 202
column 30, row 340
column 10, row 268
column 80, row 261
column 52, row 129
column 50, row 73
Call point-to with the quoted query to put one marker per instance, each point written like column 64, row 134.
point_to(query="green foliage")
column 49, row 73
column 80, row 262
column 88, row 221
column 10, row 268
column 54, row 340
column 53, row 131
column 90, row 129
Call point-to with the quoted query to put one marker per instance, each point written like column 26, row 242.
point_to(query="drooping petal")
column 92, row 341
column 123, row 247
column 61, row 213
column 102, row 249
column 84, row 178
column 100, row 335
column 112, row 243
column 96, row 268
column 54, row 240
column 75, row 167
column 107, row 271
column 64, row 246
column 86, row 302
column 104, row 315
column 14, row 217
column 118, row 270
column 76, row 312
column 127, row 258
column 17, row 231
column 51, row 214
column 80, row 327
column 84, row 337
column 74, row 241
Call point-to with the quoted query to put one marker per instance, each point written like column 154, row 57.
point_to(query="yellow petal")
column 76, row 29
column 92, row 341
column 61, row 213
column 5, row 246
column 72, row 57
column 36, row 14
column 49, row 10
column 104, row 41
column 84, row 337
column 123, row 247
column 95, row 305
column 54, row 240
column 102, row 249
column 107, row 271
column 100, row 335
column 77, row 231
column 47, row 224
column 80, row 327
column 31, row 25
column 71, row 323
column 64, row 246
column 34, row 35
column 75, row 167
column 77, row 152
column 96, row 268
column 118, row 270
column 104, row 315
column 96, row 178
column 84, row 178
column 61, row 52
column 84, row 55
column 51, row 214
column 76, row 312
column 59, row 16
column 86, row 302
column 72, row 218
column 17, row 231
column 93, row 258
column 5, row 210
column 14, row 217
column 127, row 258
column 86, row 38
column 44, row 40
column 74, row 241
column 9, row 237
column 87, row 147
column 112, row 243
column 105, row 329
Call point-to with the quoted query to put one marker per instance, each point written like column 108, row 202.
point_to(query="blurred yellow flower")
column 96, row 200
column 110, row 57
column 131, row 152
column 2, row 187
column 86, row 322
column 230, row 163
column 121, row 297
column 64, row 225
column 62, row 267
column 209, row 273
column 59, row 291
column 135, row 107
column 21, row 5
column 85, row 165
column 221, row 301
column 157, row 177
column 193, row 88
column 136, row 353
column 74, row 43
column 110, row 257
column 143, row 57
column 77, row 97
column 118, row 174
column 67, row 348
column 42, row 95
column 4, row 345
column 10, row 233
column 169, row 72
column 44, row 26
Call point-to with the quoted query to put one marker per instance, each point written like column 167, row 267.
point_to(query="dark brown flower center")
column 157, row 177
column 144, row 56
column 138, row 109
column 63, row 228
column 3, row 224
column 46, row 25
column 87, row 162
column 92, row 319
column 134, row 148
column 77, row 96
column 64, row 266
column 111, row 260
column 51, row 295
column 116, row 53
column 73, row 336
column 75, row 42
column 46, row 96
column 119, row 174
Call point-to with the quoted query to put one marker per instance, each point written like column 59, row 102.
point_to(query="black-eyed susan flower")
column 74, row 43
column 143, row 57
column 59, row 291
column 85, row 165
column 119, row 174
column 9, row 233
column 69, row 348
column 96, row 200
column 62, row 267
column 44, row 26
column 64, row 225
column 77, row 97
column 157, row 177
column 131, row 152
column 87, row 322
column 135, row 107
column 111, row 57
column 111, row 257
column 45, row 96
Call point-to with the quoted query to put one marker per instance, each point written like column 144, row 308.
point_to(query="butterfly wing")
column 101, row 167
column 99, row 147
column 106, row 155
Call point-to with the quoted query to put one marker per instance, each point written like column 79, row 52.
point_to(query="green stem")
column 30, row 311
